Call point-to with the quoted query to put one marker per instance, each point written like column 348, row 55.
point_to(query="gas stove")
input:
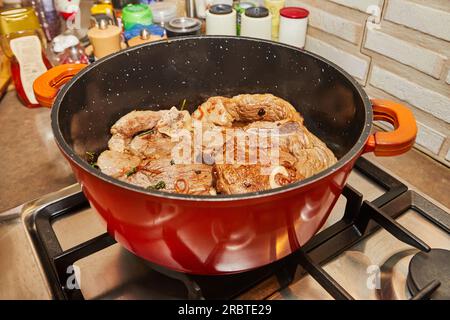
column 381, row 241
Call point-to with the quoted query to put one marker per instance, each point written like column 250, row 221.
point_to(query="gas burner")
column 426, row 267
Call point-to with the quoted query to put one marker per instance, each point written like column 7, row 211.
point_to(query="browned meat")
column 235, row 178
column 245, row 108
column 117, row 164
column 163, row 174
column 145, row 147
column 301, row 155
column 262, row 107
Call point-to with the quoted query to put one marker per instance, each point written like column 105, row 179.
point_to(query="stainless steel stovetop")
column 362, row 260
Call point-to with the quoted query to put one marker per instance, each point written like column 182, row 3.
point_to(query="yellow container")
column 17, row 23
column 274, row 7
column 102, row 8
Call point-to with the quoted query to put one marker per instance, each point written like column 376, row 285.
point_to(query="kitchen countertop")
column 32, row 166
column 30, row 162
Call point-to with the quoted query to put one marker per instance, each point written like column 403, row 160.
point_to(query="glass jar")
column 23, row 42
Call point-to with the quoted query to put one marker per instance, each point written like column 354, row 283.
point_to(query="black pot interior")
column 162, row 75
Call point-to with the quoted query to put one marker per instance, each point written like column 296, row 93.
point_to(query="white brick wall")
column 429, row 138
column 360, row 5
column 413, row 93
column 326, row 18
column 420, row 17
column 409, row 53
column 351, row 63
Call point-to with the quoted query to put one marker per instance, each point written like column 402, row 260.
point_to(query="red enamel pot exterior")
column 216, row 234
column 226, row 237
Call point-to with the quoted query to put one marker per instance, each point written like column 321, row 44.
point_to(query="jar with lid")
column 163, row 12
column 105, row 39
column 293, row 25
column 257, row 23
column 23, row 42
column 221, row 20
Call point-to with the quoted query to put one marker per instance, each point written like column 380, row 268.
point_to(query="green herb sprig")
column 158, row 186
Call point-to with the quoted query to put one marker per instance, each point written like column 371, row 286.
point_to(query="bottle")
column 293, row 24
column 257, row 23
column 240, row 10
column 67, row 49
column 274, row 7
column 105, row 39
column 221, row 20
column 23, row 42
column 48, row 16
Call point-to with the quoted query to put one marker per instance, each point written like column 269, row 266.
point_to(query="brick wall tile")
column 429, row 138
column 406, row 51
column 423, row 98
column 352, row 63
column 360, row 5
column 421, row 16
column 342, row 22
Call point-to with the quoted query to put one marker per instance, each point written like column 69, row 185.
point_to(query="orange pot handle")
column 395, row 142
column 46, row 86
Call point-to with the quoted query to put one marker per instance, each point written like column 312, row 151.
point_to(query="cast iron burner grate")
column 361, row 219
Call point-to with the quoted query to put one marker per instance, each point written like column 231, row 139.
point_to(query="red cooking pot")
column 224, row 233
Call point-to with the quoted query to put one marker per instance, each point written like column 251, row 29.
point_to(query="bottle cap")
column 221, row 9
column 294, row 12
column 62, row 42
column 257, row 12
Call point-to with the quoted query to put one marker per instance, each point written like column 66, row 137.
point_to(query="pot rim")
column 350, row 155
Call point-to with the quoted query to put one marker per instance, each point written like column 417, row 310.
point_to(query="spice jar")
column 221, row 20
column 257, row 23
column 183, row 26
column 293, row 24
column 105, row 39
column 240, row 10
column 23, row 42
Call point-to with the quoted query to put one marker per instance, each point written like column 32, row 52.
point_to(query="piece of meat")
column 261, row 107
column 135, row 122
column 151, row 145
column 130, row 133
column 300, row 155
column 164, row 175
column 245, row 108
column 214, row 110
column 117, row 164
column 235, row 178
column 119, row 142
column 173, row 121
